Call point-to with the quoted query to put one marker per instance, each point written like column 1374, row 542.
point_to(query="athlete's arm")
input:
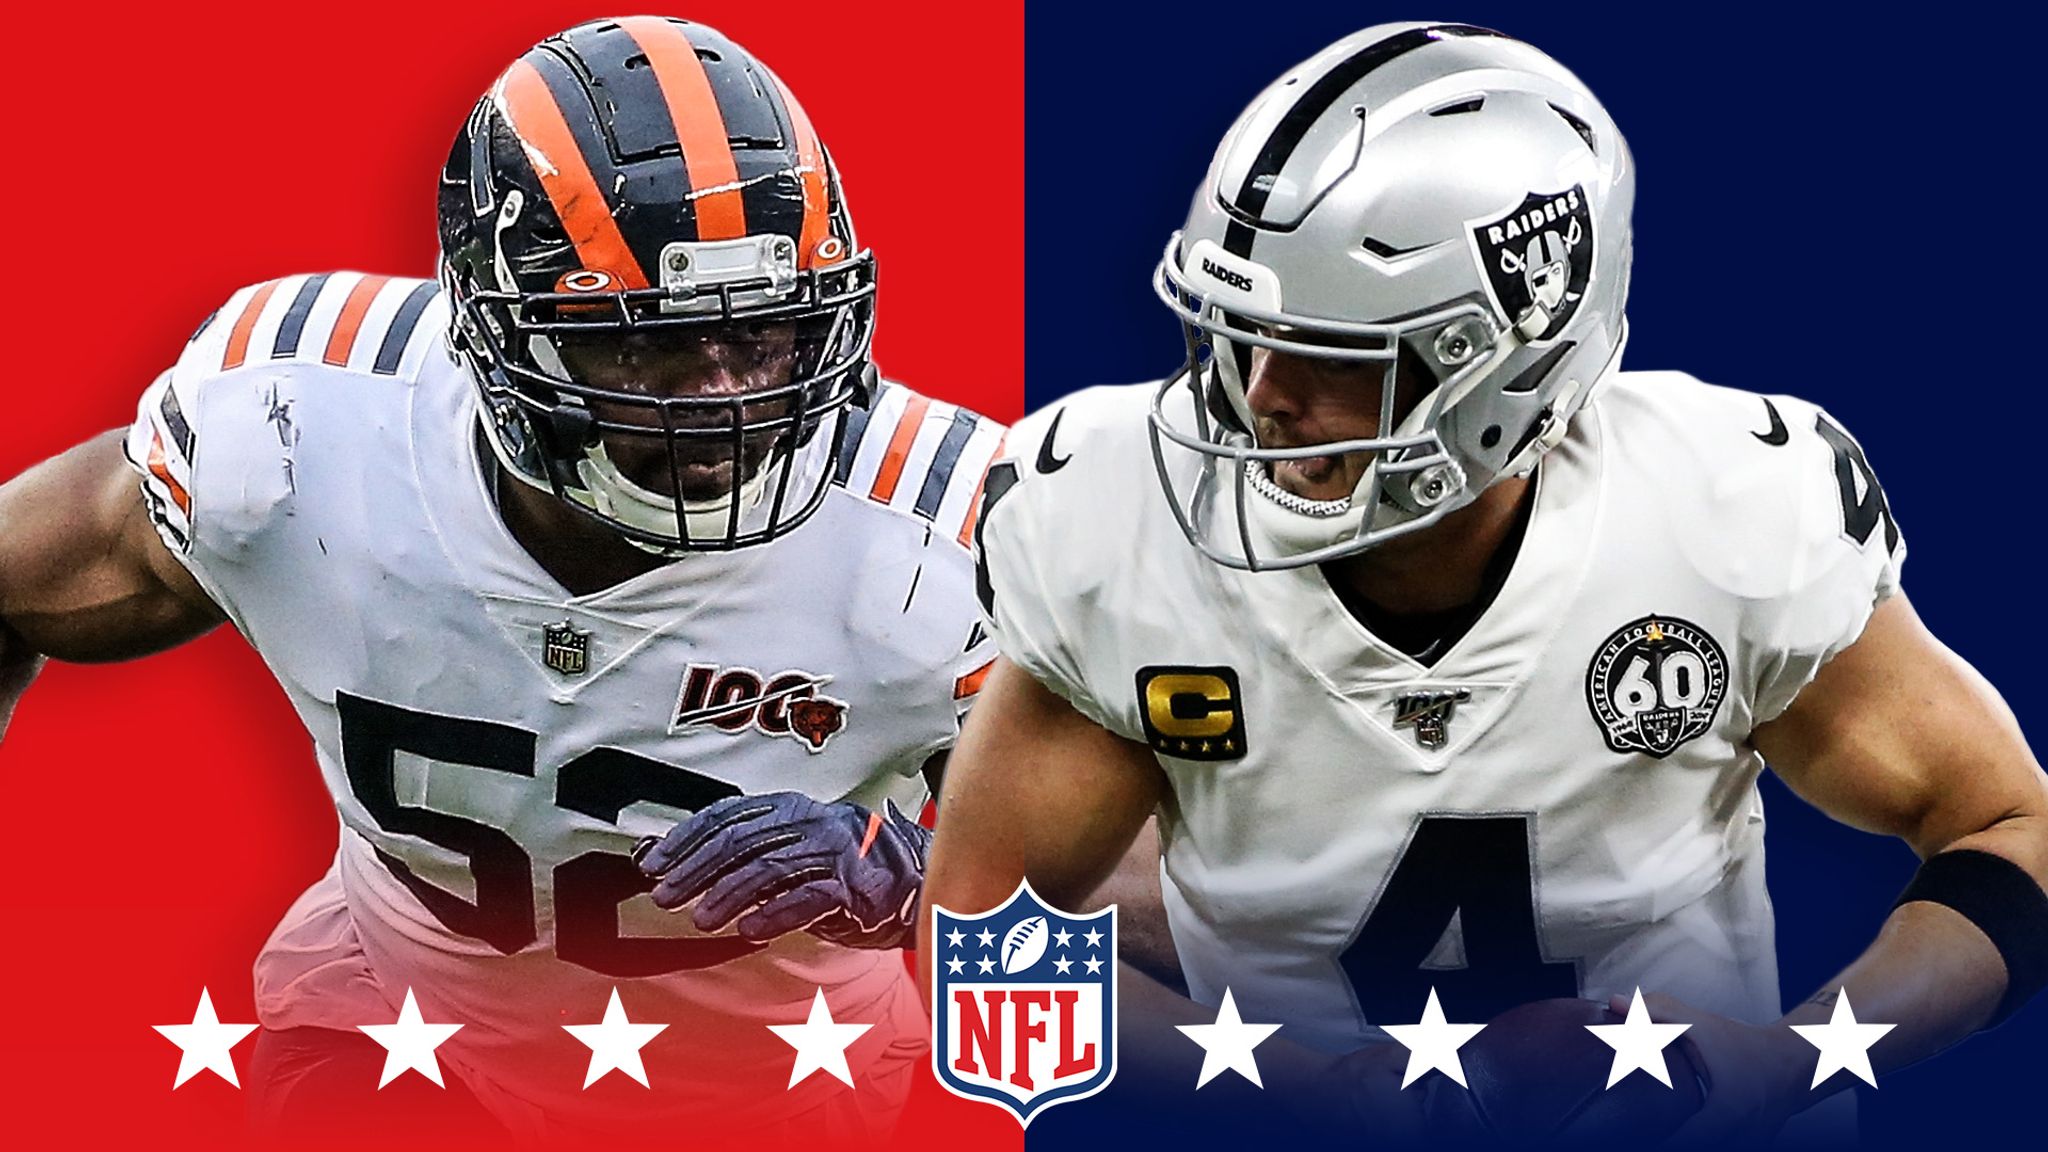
column 1036, row 790
column 1899, row 735
column 83, row 574
column 1144, row 938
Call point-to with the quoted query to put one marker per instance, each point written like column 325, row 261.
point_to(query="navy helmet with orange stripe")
column 656, row 285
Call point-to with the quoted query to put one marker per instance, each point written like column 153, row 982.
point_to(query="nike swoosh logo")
column 1776, row 436
column 1047, row 462
column 685, row 719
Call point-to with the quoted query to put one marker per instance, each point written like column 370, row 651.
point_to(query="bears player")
column 612, row 524
column 1449, row 654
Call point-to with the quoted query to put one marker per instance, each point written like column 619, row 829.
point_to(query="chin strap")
column 612, row 494
column 1567, row 405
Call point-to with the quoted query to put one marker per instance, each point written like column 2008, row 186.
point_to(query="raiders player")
column 613, row 523
column 1449, row 654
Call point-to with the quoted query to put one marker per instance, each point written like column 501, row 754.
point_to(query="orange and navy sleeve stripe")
column 919, row 456
column 374, row 325
column 970, row 684
column 160, row 446
column 978, row 659
column 343, row 319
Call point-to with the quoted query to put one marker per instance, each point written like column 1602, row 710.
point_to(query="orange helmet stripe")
column 245, row 325
column 699, row 125
column 817, row 216
column 536, row 119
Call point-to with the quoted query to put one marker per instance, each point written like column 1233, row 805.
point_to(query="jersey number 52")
column 588, row 888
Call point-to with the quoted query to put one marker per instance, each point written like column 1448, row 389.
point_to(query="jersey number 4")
column 1863, row 504
column 588, row 888
column 1475, row 869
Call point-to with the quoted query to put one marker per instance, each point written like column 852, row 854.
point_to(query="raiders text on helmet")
column 647, row 180
column 1434, row 196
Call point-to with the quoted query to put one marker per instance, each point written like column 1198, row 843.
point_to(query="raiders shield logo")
column 1655, row 684
column 1537, row 259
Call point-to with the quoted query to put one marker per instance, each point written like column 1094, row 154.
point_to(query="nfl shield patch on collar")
column 565, row 648
column 1024, row 1003
column 1429, row 713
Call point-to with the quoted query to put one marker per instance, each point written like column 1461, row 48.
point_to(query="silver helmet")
column 1434, row 197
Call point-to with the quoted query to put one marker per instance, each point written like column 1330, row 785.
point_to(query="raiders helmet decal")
column 1538, row 259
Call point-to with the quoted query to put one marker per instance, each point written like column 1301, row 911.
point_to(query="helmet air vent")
column 1584, row 129
column 1386, row 251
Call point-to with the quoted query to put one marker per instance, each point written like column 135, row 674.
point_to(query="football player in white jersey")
column 1447, row 653
column 613, row 524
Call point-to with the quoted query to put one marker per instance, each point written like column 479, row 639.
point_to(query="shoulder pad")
column 919, row 457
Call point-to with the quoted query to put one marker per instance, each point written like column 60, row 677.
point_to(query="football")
column 1024, row 944
column 1539, row 1078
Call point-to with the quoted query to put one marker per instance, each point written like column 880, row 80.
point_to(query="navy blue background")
column 1844, row 212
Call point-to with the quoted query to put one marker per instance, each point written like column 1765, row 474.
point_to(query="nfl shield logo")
column 1024, row 1003
column 565, row 649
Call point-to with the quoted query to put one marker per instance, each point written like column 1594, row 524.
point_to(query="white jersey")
column 1562, row 803
column 496, row 746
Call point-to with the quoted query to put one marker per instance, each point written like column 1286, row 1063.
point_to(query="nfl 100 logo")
column 1024, row 1003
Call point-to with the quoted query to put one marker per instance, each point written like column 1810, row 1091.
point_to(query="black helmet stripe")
column 661, row 176
column 696, row 127
column 1287, row 135
column 631, row 109
column 817, row 182
column 772, row 189
column 553, row 120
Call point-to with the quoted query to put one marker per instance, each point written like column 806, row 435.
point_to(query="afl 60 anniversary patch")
column 1655, row 684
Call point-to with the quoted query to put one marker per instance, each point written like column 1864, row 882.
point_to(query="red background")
column 159, row 816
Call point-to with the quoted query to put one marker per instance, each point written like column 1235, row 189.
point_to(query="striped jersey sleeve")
column 341, row 319
column 976, row 660
column 920, row 457
column 210, row 405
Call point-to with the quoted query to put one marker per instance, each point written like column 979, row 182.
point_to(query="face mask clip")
column 698, row 275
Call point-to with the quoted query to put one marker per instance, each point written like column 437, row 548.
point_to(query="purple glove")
column 789, row 862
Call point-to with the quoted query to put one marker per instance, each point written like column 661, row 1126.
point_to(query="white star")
column 1093, row 938
column 410, row 1043
column 1063, row 937
column 820, row 1043
column 1844, row 1044
column 1637, row 1043
column 1433, row 1044
column 1228, row 1043
column 955, row 967
column 986, row 965
column 205, row 1044
column 955, row 938
column 615, row 1043
column 985, row 938
column 1061, row 965
column 1093, row 965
